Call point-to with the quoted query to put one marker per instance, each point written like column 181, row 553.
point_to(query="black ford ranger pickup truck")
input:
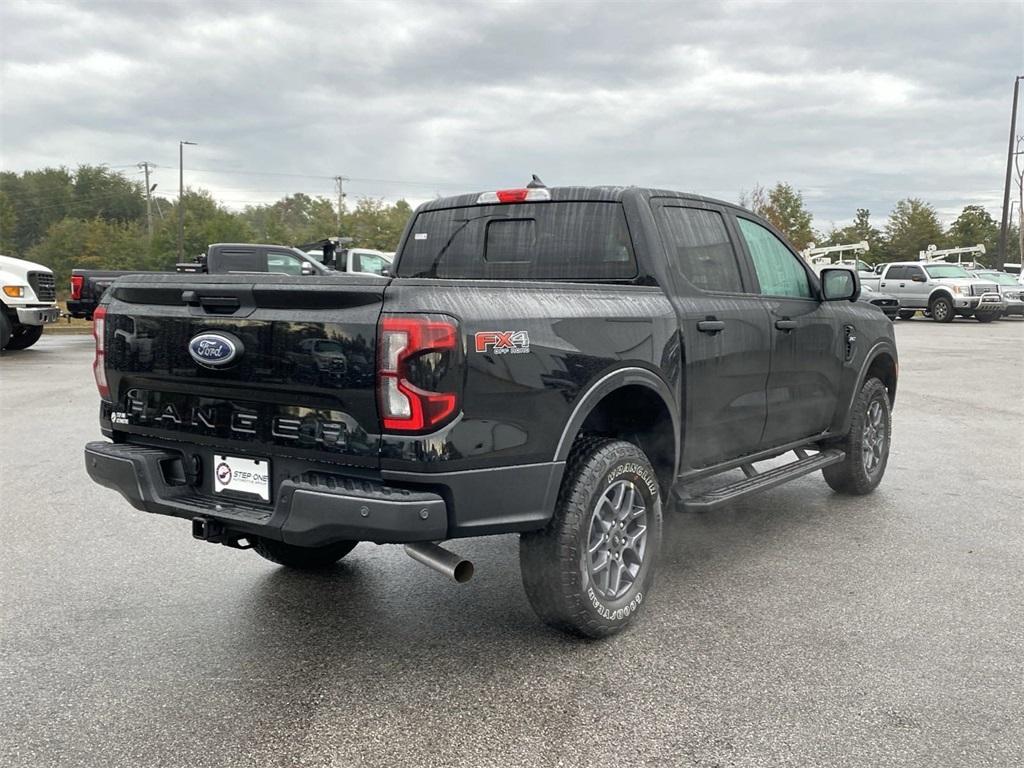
column 552, row 362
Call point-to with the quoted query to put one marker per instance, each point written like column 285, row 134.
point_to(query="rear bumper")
column 313, row 507
column 81, row 308
column 38, row 315
column 309, row 511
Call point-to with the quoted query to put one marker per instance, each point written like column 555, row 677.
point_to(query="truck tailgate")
column 299, row 383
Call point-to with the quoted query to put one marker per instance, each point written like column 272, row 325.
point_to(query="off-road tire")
column 302, row 558
column 5, row 329
column 555, row 561
column 941, row 310
column 850, row 475
column 907, row 314
column 24, row 336
column 987, row 317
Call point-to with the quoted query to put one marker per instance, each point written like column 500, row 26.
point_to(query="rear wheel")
column 24, row 336
column 906, row 314
column 866, row 444
column 941, row 310
column 590, row 569
column 302, row 558
column 987, row 317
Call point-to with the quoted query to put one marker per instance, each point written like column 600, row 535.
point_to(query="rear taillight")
column 99, row 368
column 76, row 287
column 403, row 342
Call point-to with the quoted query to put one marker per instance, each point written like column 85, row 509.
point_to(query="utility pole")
column 1009, row 167
column 181, row 197
column 144, row 165
column 1020, row 200
column 339, row 182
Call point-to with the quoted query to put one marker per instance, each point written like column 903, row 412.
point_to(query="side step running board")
column 762, row 481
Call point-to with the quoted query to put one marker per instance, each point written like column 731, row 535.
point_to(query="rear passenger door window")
column 699, row 248
column 779, row 270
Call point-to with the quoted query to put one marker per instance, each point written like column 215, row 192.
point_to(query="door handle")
column 882, row 284
column 903, row 285
column 786, row 325
column 710, row 326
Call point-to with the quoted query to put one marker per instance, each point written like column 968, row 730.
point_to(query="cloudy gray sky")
column 857, row 104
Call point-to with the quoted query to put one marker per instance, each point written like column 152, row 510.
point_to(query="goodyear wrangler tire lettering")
column 590, row 569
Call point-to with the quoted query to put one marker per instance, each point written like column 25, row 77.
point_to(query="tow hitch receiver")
column 214, row 532
column 207, row 530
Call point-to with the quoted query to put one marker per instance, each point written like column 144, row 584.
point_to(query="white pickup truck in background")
column 28, row 300
column 942, row 290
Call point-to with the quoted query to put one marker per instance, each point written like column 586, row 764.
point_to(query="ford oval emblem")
column 215, row 350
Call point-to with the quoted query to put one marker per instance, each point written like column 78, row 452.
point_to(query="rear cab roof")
column 578, row 194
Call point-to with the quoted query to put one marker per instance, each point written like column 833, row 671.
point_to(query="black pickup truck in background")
column 89, row 285
column 557, row 363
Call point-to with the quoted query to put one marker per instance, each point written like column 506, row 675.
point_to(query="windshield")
column 946, row 270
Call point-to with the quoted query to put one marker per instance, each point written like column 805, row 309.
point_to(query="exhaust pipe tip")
column 463, row 572
column 441, row 560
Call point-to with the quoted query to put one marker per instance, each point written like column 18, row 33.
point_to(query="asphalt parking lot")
column 796, row 628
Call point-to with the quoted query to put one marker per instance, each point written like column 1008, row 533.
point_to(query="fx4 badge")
column 503, row 342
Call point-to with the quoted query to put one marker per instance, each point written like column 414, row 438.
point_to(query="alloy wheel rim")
column 940, row 310
column 874, row 437
column 617, row 540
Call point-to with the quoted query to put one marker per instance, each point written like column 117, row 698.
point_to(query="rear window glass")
column 539, row 241
column 240, row 261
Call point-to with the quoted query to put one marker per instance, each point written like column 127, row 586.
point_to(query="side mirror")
column 307, row 268
column 840, row 285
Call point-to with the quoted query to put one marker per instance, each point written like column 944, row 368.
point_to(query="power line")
column 70, row 204
column 365, row 179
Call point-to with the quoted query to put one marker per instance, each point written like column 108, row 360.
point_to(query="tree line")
column 911, row 227
column 96, row 218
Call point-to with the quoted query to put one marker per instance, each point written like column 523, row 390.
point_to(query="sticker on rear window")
column 420, row 236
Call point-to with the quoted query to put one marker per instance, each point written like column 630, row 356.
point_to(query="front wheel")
column 5, row 329
column 941, row 310
column 866, row 444
column 906, row 314
column 24, row 336
column 591, row 568
column 301, row 558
